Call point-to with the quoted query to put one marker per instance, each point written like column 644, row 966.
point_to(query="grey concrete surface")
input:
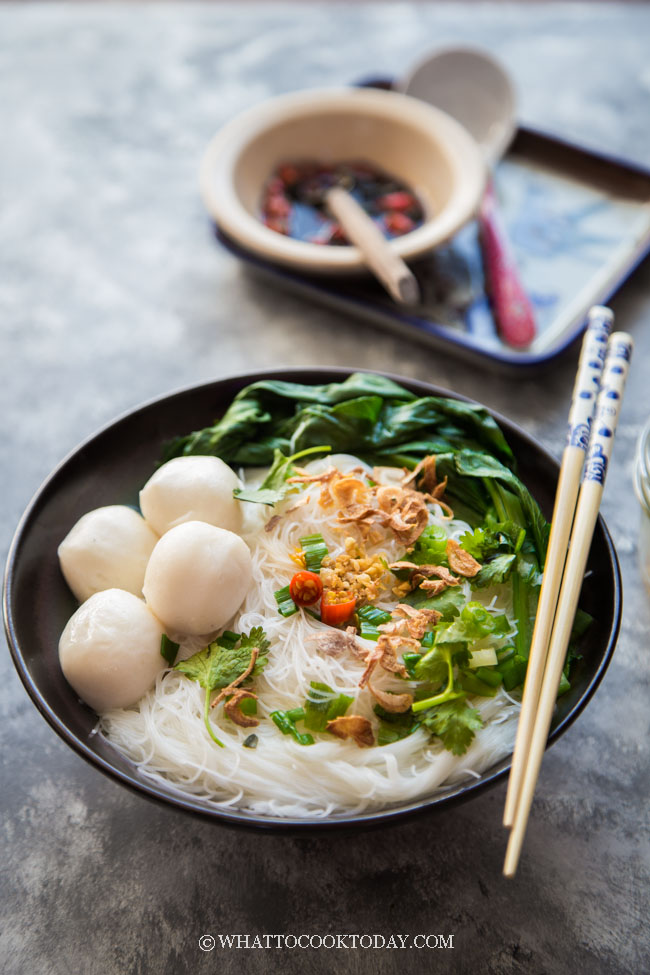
column 112, row 291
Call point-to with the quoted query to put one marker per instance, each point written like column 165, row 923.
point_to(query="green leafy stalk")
column 206, row 719
column 441, row 655
column 222, row 662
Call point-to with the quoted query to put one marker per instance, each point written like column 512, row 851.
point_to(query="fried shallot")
column 352, row 726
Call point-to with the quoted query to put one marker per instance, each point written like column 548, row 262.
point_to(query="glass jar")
column 642, row 489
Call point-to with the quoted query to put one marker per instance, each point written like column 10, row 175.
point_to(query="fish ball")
column 110, row 650
column 192, row 489
column 197, row 577
column 108, row 548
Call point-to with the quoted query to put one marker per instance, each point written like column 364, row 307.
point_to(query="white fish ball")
column 197, row 577
column 192, row 489
column 110, row 650
column 108, row 548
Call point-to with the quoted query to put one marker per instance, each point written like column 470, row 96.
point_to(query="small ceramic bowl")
column 418, row 144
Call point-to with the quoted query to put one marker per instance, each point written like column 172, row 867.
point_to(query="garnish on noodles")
column 373, row 627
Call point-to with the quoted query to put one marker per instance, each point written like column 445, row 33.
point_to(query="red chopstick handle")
column 513, row 311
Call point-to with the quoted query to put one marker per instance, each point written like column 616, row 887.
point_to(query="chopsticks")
column 564, row 573
column 387, row 266
column 587, row 383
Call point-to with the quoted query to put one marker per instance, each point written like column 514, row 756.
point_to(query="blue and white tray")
column 578, row 223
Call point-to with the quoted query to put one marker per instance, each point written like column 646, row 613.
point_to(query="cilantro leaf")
column 448, row 603
column 474, row 542
column 430, row 548
column 256, row 638
column 274, row 487
column 455, row 723
column 474, row 623
column 433, row 666
column 494, row 572
column 219, row 664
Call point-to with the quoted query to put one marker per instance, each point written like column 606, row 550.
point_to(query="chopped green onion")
column 489, row 675
column 286, row 605
column 370, row 618
column 314, row 550
column 248, row 705
column 323, row 704
column 513, row 671
column 286, row 722
column 472, row 685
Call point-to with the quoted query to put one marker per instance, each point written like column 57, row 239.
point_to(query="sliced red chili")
column 305, row 588
column 398, row 223
column 336, row 608
column 399, row 200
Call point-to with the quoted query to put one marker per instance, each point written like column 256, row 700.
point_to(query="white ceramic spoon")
column 474, row 88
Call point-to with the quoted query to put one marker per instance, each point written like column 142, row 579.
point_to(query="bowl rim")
column 142, row 786
column 220, row 158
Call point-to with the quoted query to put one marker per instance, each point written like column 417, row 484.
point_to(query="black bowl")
column 110, row 468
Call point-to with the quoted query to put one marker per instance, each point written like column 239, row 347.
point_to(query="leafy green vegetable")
column 394, row 727
column 431, row 547
column 455, row 723
column 323, row 705
column 471, row 463
column 168, row 649
column 286, row 722
column 314, row 550
column 492, row 538
column 449, row 602
column 274, row 487
column 411, row 660
column 474, row 623
column 366, row 414
column 434, row 665
column 272, row 422
column 286, row 605
column 222, row 662
column 581, row 624
column 495, row 572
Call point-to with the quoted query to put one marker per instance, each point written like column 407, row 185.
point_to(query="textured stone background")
column 112, row 291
